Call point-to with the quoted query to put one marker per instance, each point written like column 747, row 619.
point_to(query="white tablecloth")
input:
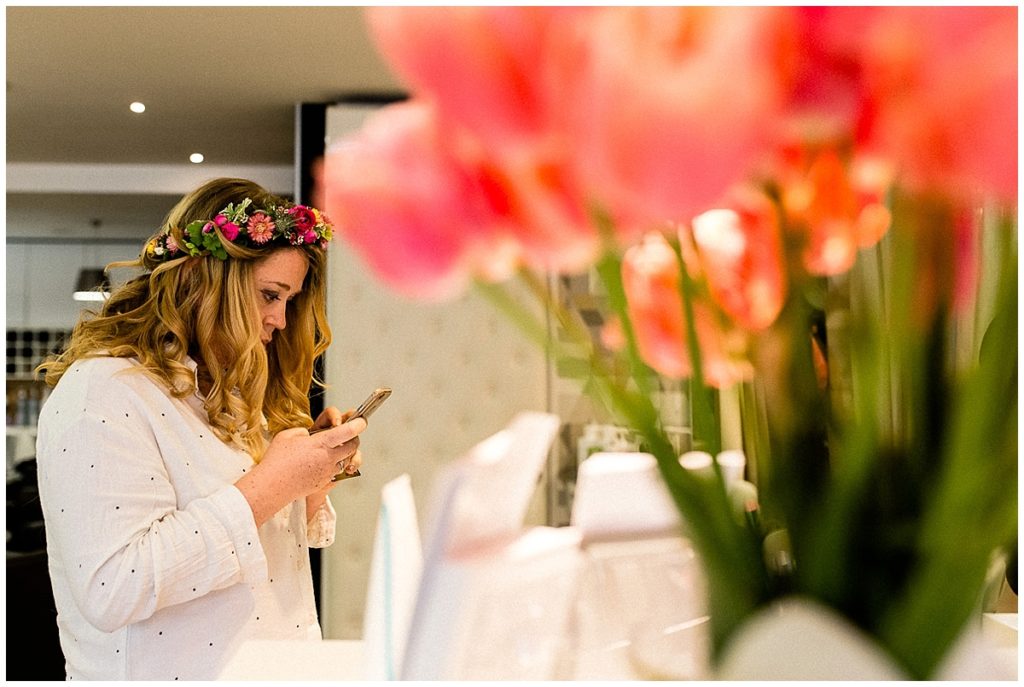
column 291, row 661
column 334, row 659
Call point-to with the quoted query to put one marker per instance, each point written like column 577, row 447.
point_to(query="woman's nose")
column 276, row 318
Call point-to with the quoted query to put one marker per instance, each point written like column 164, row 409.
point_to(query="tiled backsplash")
column 26, row 348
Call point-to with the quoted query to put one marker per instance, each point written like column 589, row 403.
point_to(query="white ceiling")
column 218, row 80
column 223, row 81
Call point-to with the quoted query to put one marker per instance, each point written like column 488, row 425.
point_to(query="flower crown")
column 244, row 225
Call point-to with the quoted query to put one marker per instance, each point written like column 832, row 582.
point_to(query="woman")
column 179, row 483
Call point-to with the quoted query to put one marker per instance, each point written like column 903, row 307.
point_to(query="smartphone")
column 372, row 402
column 365, row 410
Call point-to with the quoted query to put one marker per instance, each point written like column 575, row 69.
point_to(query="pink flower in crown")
column 304, row 218
column 309, row 237
column 228, row 228
column 230, row 231
column 261, row 227
column 171, row 244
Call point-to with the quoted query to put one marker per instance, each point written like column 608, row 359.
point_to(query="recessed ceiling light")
column 90, row 296
column 196, row 158
column 137, row 107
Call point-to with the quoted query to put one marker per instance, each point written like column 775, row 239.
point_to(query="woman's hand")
column 331, row 417
column 316, row 499
column 297, row 464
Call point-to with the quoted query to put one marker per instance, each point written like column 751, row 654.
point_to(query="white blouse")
column 158, row 569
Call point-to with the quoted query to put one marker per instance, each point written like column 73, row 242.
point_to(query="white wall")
column 42, row 277
column 51, row 236
column 459, row 372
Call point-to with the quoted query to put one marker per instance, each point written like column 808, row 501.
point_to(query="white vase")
column 800, row 639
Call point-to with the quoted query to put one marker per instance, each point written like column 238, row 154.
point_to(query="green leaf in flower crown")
column 212, row 243
column 195, row 232
column 283, row 220
column 238, row 215
column 194, row 240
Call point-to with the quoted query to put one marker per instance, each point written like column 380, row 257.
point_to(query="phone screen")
column 366, row 408
column 372, row 402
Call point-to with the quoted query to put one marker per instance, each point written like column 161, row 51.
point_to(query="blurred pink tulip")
column 839, row 207
column 413, row 210
column 543, row 210
column 944, row 82
column 671, row 105
column 651, row 279
column 430, row 209
column 740, row 252
column 934, row 90
column 826, row 90
column 503, row 75
column 492, row 70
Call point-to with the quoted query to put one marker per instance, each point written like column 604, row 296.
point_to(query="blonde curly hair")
column 207, row 308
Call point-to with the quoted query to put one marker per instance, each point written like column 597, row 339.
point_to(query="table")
column 296, row 660
column 339, row 659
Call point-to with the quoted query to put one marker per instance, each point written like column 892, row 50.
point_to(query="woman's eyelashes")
column 270, row 296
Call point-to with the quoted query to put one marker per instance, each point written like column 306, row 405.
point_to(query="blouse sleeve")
column 126, row 546
column 320, row 528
